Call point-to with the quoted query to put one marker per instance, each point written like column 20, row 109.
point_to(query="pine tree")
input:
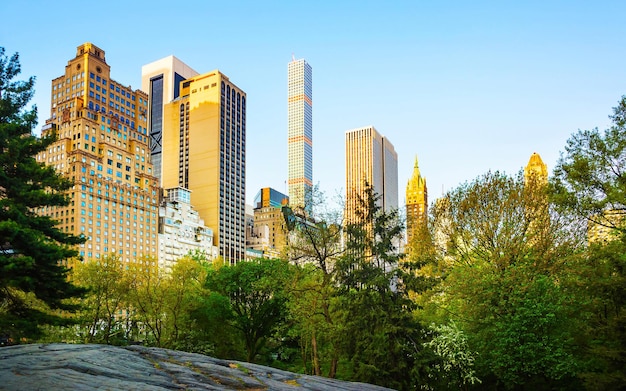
column 32, row 278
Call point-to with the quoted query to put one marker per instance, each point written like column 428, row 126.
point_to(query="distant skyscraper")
column 161, row 80
column 102, row 146
column 370, row 160
column 300, row 131
column 204, row 150
column 416, row 202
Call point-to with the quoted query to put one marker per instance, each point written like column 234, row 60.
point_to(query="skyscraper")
column 370, row 160
column 204, row 150
column 102, row 146
column 416, row 202
column 300, row 131
column 161, row 79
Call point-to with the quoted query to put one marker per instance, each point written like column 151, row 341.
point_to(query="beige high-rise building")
column 161, row 80
column 371, row 160
column 102, row 146
column 416, row 202
column 204, row 150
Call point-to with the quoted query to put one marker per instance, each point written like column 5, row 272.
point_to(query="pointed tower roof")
column 536, row 167
column 416, row 181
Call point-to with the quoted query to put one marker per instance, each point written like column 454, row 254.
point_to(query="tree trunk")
column 316, row 360
column 332, row 372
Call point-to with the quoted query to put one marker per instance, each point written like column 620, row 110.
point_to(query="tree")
column 108, row 288
column 257, row 299
column 590, row 178
column 32, row 249
column 590, row 182
column 457, row 360
column 315, row 245
column 382, row 341
column 504, row 283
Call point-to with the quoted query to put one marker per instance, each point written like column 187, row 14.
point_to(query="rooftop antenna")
column 293, row 57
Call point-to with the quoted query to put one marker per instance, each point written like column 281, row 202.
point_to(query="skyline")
column 466, row 88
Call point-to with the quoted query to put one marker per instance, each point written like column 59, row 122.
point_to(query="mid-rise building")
column 269, row 233
column 102, row 147
column 300, row 132
column 416, row 202
column 161, row 80
column 371, row 160
column 181, row 230
column 204, row 150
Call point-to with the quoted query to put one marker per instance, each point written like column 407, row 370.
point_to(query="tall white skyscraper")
column 300, row 131
column 371, row 160
column 161, row 80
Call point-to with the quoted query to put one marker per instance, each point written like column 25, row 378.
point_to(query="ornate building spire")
column 536, row 170
column 416, row 201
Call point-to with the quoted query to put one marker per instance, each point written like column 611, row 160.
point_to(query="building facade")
column 204, row 150
column 269, row 232
column 416, row 202
column 371, row 160
column 161, row 79
column 102, row 147
column 300, row 131
column 181, row 230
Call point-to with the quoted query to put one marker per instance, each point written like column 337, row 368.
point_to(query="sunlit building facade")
column 371, row 160
column 269, row 232
column 181, row 230
column 204, row 150
column 161, row 80
column 416, row 202
column 300, row 131
column 102, row 147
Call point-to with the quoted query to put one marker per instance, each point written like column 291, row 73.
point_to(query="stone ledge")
column 92, row 367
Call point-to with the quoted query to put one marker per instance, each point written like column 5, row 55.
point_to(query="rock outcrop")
column 102, row 367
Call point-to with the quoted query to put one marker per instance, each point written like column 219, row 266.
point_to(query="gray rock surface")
column 102, row 367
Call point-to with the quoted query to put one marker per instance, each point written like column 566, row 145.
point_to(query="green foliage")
column 31, row 247
column 506, row 262
column 108, row 286
column 590, row 178
column 382, row 340
column 590, row 182
column 257, row 299
column 456, row 365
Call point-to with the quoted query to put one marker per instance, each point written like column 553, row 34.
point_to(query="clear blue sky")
column 468, row 86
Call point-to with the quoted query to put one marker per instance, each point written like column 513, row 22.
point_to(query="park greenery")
column 501, row 287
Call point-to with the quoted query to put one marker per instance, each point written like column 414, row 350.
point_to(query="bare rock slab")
column 102, row 367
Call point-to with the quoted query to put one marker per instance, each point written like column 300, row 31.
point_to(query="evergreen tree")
column 32, row 248
column 383, row 342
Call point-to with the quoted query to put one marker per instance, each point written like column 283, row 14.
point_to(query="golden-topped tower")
column 536, row 170
column 416, row 202
column 535, row 184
